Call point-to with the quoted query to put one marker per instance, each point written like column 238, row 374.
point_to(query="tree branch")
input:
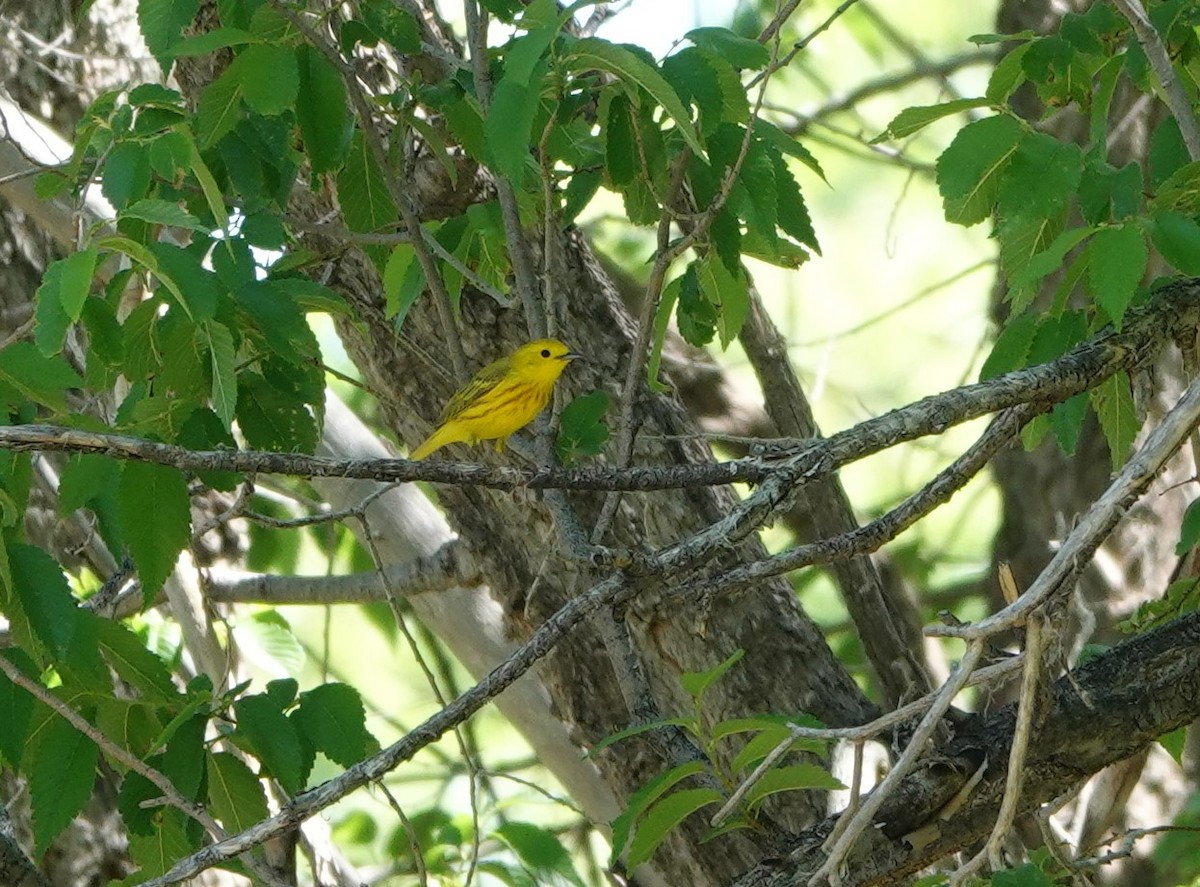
column 1105, row 711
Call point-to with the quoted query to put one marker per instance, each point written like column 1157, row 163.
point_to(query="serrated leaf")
column 741, row 52
column 154, row 515
column 1023, row 238
column 312, row 296
column 163, row 212
column 161, row 846
column 334, row 721
column 211, row 41
column 1066, row 421
column 321, row 110
column 1189, row 529
column 219, row 108
column 362, row 191
column 1008, row 74
column 620, row 146
column 596, row 53
column 136, row 665
column 268, row 639
column 62, row 771
column 970, row 169
column 224, row 374
column 273, row 738
column 1051, row 258
column 195, row 288
column 794, row 777
column 273, row 419
column 1116, row 262
column 162, row 23
column 695, row 79
column 729, row 293
column 1177, row 237
column 235, row 795
column 270, row 78
column 50, row 319
column 912, row 120
column 660, row 819
column 582, row 430
column 45, row 597
column 509, row 122
column 694, row 683
column 541, row 852
column 1174, row 743
column 1041, row 177
column 16, row 707
column 644, row 797
column 1011, row 347
column 1113, row 402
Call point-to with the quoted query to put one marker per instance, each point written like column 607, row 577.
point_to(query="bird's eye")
column 545, row 352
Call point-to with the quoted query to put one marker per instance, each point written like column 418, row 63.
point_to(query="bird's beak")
column 574, row 355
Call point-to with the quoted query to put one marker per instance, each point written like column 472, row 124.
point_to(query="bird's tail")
column 435, row 441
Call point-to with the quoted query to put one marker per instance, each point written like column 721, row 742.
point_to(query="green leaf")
column 692, row 75
column 970, row 169
column 270, row 78
column 509, row 122
column 181, row 271
column 162, row 845
column 644, row 797
column 332, row 718
column 687, row 723
column 210, row 41
column 741, row 52
column 1011, row 347
column 694, row 683
column 729, row 293
column 219, row 108
column 1066, row 421
column 24, row 372
column 1112, row 400
column 16, row 707
column 1028, row 875
column 272, row 418
column 1041, row 177
column 583, row 431
column 592, row 52
column 1182, row 596
column 51, row 320
column 126, row 174
column 395, row 26
column 62, row 772
column 1051, row 258
column 1177, row 237
column 1110, row 194
column 403, row 282
column 321, row 110
column 273, row 738
column 224, row 375
column 1008, row 74
column 1189, row 529
column 155, row 519
column 311, row 296
column 794, row 777
column 790, row 208
column 660, row 819
column 1116, row 262
column 268, row 639
column 45, row 597
column 163, row 212
column 362, row 191
column 162, row 23
column 235, row 795
column 136, row 665
column 912, row 120
column 620, row 145
column 695, row 315
column 541, row 852
column 1174, row 743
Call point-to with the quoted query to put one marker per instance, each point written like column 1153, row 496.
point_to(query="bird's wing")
column 482, row 382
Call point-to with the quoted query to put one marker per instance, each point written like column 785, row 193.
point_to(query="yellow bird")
column 503, row 397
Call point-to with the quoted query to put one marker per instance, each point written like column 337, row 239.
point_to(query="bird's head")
column 543, row 359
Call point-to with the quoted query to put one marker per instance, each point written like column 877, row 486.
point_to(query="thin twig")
column 841, row 847
column 1097, row 522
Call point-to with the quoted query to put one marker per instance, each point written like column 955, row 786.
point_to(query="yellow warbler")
column 503, row 397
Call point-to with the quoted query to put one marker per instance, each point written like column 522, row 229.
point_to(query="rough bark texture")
column 1044, row 490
